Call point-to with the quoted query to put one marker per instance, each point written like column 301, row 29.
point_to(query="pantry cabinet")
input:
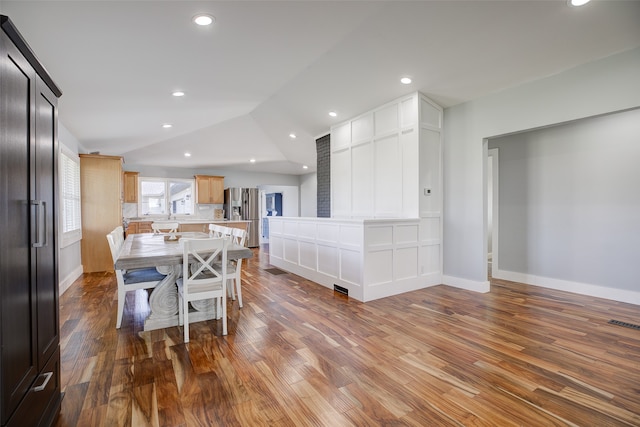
column 101, row 184
column 29, row 318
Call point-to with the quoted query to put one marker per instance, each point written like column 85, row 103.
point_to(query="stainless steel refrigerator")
column 244, row 204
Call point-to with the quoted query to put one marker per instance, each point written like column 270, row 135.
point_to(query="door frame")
column 493, row 153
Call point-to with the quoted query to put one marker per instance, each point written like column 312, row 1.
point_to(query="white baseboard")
column 68, row 281
column 622, row 295
column 469, row 285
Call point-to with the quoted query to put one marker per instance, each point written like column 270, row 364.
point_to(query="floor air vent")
column 275, row 271
column 340, row 289
column 625, row 324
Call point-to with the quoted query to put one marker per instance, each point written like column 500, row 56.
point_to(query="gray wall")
column 569, row 201
column 608, row 85
column 231, row 178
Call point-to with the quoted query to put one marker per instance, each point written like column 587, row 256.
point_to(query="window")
column 166, row 196
column 70, row 218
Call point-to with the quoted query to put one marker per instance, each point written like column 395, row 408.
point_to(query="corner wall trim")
column 621, row 295
column 68, row 281
column 469, row 285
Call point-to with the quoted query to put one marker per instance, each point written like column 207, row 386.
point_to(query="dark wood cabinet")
column 29, row 316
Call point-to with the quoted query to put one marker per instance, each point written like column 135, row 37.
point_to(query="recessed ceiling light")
column 578, row 2
column 252, row 160
column 178, row 93
column 204, row 19
column 405, row 80
column 292, row 135
column 187, row 154
column 333, row 113
column 305, row 167
column 167, row 125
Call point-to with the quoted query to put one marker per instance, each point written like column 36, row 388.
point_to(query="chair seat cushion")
column 231, row 267
column 142, row 275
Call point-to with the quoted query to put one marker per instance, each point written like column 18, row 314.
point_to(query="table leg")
column 163, row 303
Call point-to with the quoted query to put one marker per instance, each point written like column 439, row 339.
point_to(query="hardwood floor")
column 298, row 354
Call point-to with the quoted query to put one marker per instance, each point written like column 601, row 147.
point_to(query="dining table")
column 165, row 252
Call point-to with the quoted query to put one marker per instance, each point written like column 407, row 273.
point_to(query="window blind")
column 71, row 220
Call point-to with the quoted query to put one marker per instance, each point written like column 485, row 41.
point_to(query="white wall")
column 69, row 257
column 603, row 86
column 309, row 195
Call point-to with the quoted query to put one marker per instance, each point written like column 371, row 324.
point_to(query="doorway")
column 273, row 207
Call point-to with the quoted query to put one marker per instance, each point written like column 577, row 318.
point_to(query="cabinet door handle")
column 39, row 221
column 45, row 223
column 47, row 377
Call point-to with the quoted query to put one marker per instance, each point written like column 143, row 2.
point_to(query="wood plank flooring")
column 298, row 354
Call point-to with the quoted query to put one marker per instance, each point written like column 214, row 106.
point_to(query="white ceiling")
column 269, row 68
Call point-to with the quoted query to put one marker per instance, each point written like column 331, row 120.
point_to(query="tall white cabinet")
column 387, row 163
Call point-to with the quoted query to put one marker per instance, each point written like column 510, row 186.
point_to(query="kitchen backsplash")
column 130, row 210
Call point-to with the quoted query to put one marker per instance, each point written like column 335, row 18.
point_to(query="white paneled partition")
column 371, row 258
column 387, row 164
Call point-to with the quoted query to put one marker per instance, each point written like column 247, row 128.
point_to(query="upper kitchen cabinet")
column 209, row 189
column 101, row 184
column 130, row 184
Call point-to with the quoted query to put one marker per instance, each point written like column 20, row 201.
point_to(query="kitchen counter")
column 185, row 221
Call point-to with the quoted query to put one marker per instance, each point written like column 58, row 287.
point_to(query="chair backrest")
column 164, row 227
column 227, row 232
column 216, row 230
column 114, row 244
column 210, row 257
column 118, row 234
column 213, row 230
column 239, row 236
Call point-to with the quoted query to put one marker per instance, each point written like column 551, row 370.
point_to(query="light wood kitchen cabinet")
column 132, row 228
column 243, row 225
column 209, row 189
column 136, row 227
column 101, row 184
column 200, row 227
column 145, row 227
column 130, row 184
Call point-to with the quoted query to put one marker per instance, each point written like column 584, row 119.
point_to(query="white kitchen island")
column 370, row 258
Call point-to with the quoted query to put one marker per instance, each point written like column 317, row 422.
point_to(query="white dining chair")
column 170, row 227
column 115, row 242
column 118, row 234
column 206, row 282
column 216, row 230
column 130, row 280
column 239, row 237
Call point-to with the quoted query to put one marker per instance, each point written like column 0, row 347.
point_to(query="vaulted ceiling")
column 266, row 69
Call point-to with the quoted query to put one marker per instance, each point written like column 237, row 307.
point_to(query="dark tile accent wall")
column 323, row 150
